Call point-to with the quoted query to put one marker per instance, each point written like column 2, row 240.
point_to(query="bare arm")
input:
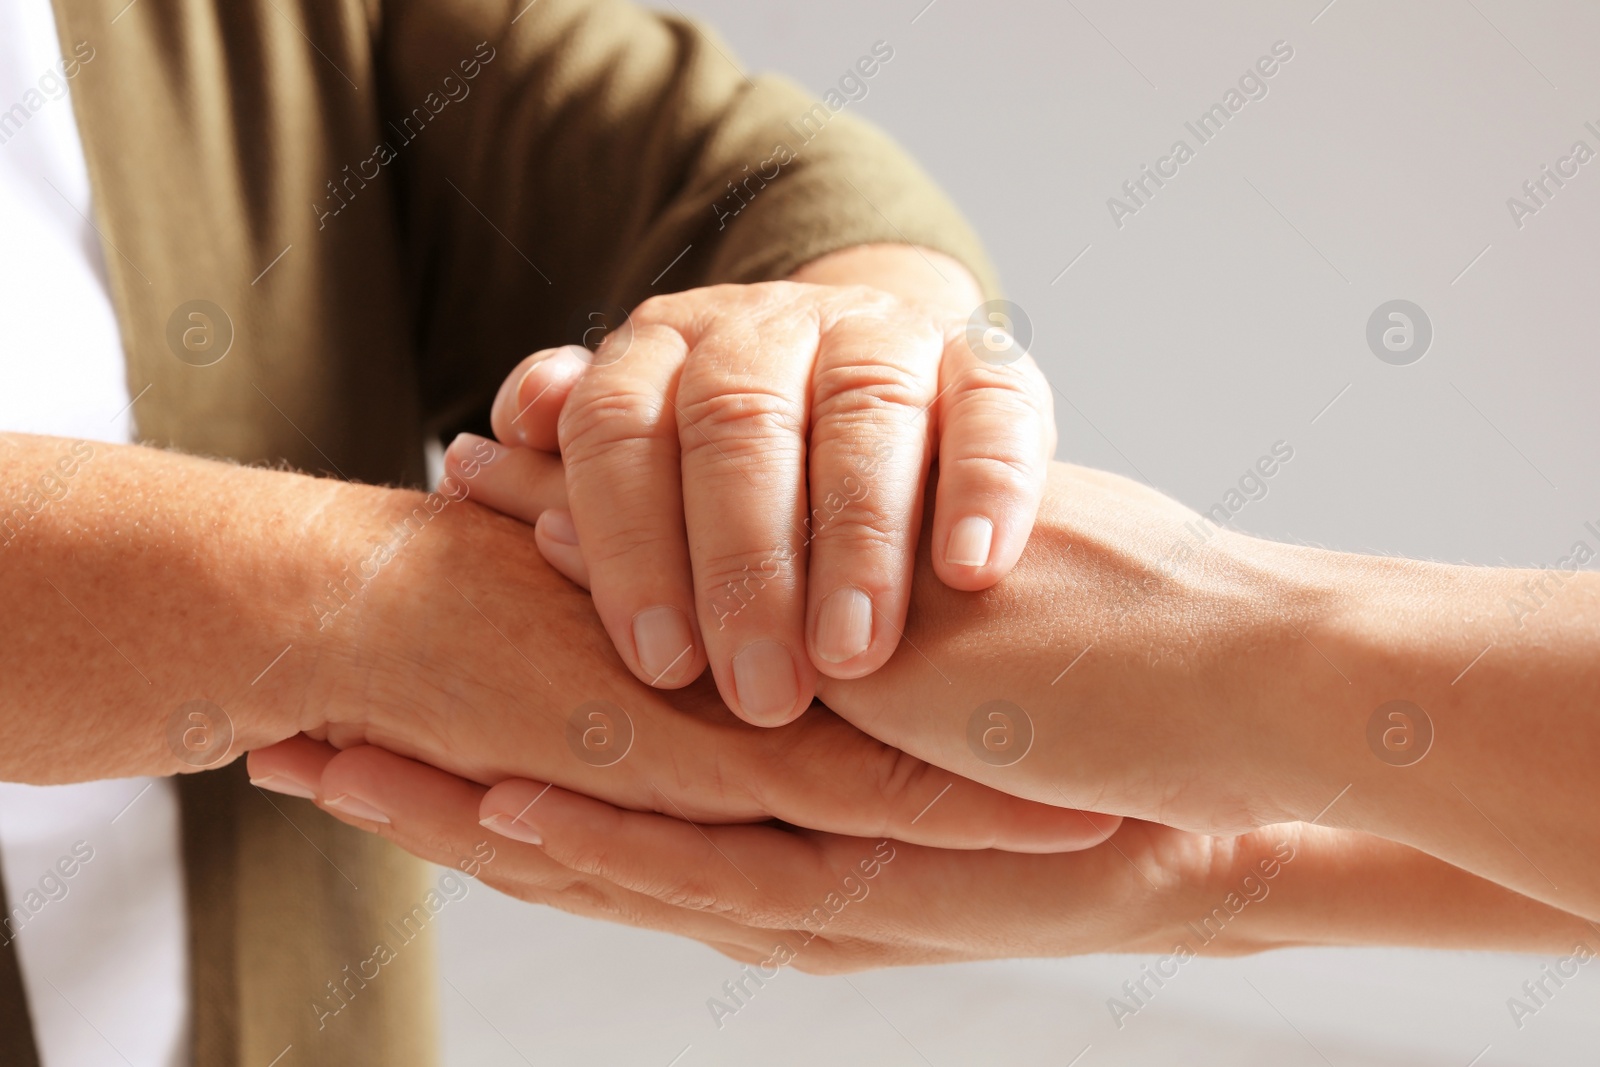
column 136, row 581
column 422, row 622
column 1489, row 680
column 1156, row 683
column 1227, row 683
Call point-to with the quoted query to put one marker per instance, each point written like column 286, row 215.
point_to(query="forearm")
column 1297, row 884
column 1501, row 669
column 1403, row 699
column 153, row 579
column 1172, row 671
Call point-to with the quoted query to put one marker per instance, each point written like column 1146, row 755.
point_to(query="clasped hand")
column 739, row 479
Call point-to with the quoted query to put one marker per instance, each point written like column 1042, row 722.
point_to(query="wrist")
column 456, row 618
column 1250, row 901
column 1320, row 645
column 1291, row 683
column 1299, row 885
column 1465, row 729
column 374, row 605
column 915, row 274
column 1363, row 660
column 301, row 588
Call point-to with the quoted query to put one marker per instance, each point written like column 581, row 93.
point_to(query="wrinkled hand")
column 1133, row 659
column 471, row 653
column 745, row 469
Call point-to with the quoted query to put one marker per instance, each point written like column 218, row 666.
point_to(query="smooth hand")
column 836, row 903
column 823, row 903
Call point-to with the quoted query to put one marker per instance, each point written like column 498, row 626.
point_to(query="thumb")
column 528, row 406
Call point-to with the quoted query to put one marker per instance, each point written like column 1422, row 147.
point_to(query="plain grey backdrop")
column 1227, row 313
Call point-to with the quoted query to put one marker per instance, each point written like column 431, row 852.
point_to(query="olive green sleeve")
column 602, row 153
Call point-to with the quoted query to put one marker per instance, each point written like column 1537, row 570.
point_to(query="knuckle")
column 848, row 300
column 611, row 404
column 982, row 385
column 740, row 417
column 742, row 575
column 694, row 895
column 858, row 531
column 784, row 299
column 595, row 420
column 597, row 900
column 520, row 888
column 618, row 544
column 865, row 389
column 877, row 774
column 597, row 873
column 899, row 774
column 693, row 311
column 583, row 897
column 997, row 469
column 589, row 857
column 661, row 308
column 733, row 950
column 784, row 908
column 833, row 956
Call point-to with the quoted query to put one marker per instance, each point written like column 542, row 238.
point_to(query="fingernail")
column 525, row 400
column 557, row 525
column 469, row 447
column 282, row 783
column 764, row 681
column 560, row 365
column 969, row 542
column 844, row 625
column 356, row 808
column 663, row 640
column 516, row 829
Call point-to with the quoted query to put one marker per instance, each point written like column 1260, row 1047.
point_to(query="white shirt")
column 103, row 949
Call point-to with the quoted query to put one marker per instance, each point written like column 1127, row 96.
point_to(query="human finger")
column 830, row 777
column 769, row 882
column 997, row 434
column 742, row 413
column 557, row 538
column 876, row 376
column 520, row 482
column 619, row 443
column 527, row 409
column 435, row 816
column 292, row 766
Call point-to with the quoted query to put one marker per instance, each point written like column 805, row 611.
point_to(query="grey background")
column 1223, row 317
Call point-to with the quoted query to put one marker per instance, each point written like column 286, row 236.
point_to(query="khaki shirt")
column 376, row 209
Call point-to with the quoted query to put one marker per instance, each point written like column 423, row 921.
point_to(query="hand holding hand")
column 765, row 895
column 745, row 468
column 826, row 903
column 469, row 652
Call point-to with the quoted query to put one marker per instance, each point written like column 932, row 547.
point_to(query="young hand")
column 825, row 903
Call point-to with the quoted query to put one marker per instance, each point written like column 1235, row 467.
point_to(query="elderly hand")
column 745, row 468
column 468, row 651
